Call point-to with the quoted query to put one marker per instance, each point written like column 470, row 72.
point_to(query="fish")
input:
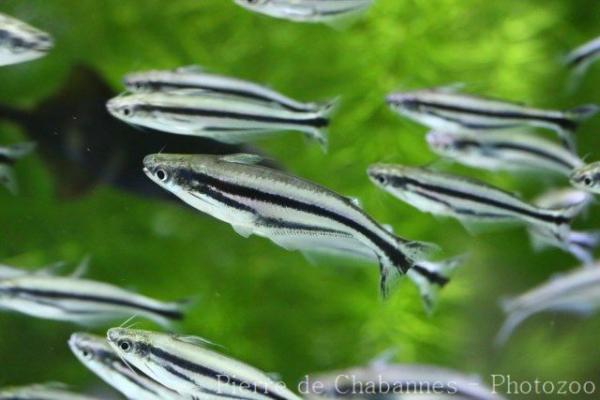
column 400, row 381
column 98, row 356
column 293, row 213
column 567, row 197
column 325, row 11
column 20, row 42
column 577, row 291
column 470, row 201
column 223, row 118
column 501, row 151
column 49, row 391
column 195, row 78
column 95, row 149
column 9, row 155
column 188, row 366
column 583, row 56
column 81, row 301
column 447, row 109
column 587, row 178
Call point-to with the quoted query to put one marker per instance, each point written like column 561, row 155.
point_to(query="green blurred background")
column 266, row 306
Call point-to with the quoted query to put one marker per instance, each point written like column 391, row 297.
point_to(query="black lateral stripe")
column 54, row 294
column 401, row 181
column 535, row 151
column 461, row 211
column 157, row 85
column 318, row 122
column 210, row 373
column 584, row 56
column 562, row 122
column 431, row 276
column 394, row 254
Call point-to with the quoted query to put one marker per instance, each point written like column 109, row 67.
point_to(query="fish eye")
column 587, row 181
column 127, row 111
column 162, row 175
column 125, row 345
column 86, row 353
column 381, row 179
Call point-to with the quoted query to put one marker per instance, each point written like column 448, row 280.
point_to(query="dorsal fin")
column 242, row 158
column 195, row 340
column 356, row 201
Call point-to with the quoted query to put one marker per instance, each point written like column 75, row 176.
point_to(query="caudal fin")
column 581, row 113
column 582, row 245
column 430, row 277
column 513, row 319
column 324, row 113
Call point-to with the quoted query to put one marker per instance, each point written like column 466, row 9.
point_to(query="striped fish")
column 223, row 118
column 293, row 213
column 582, row 57
column 446, row 109
column 567, row 197
column 470, row 201
column 399, row 381
column 8, row 272
column 81, row 301
column 185, row 365
column 20, row 42
column 8, row 157
column 96, row 354
column 193, row 77
column 502, row 151
column 576, row 292
column 326, row 11
column 51, row 391
column 587, row 178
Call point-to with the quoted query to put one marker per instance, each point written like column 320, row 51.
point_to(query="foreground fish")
column 223, row 118
column 399, row 381
column 8, row 157
column 587, row 178
column 574, row 292
column 502, row 151
column 471, row 201
column 293, row 213
column 307, row 10
column 96, row 354
column 185, row 365
column 81, row 301
column 446, row 109
column 195, row 78
column 583, row 56
column 20, row 42
column 52, row 391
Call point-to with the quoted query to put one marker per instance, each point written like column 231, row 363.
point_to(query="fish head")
column 141, row 82
column 387, row 175
column 128, row 108
column 90, row 348
column 23, row 42
column 406, row 102
column 172, row 172
column 587, row 177
column 129, row 344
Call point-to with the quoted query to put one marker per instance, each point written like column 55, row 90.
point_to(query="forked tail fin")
column 431, row 276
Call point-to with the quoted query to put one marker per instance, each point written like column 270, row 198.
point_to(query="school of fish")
column 299, row 215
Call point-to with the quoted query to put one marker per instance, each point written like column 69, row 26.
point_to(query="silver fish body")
column 98, row 356
column 448, row 110
column 194, row 78
column 583, row 56
column 52, row 391
column 469, row 200
column 81, row 301
column 293, row 213
column 223, row 118
column 9, row 155
column 577, row 292
column 307, row 10
column 20, row 42
column 191, row 369
column 501, row 151
column 400, row 381
column 9, row 272
column 587, row 178
column 567, row 197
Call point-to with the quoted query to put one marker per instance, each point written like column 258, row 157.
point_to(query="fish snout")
column 114, row 334
column 44, row 42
